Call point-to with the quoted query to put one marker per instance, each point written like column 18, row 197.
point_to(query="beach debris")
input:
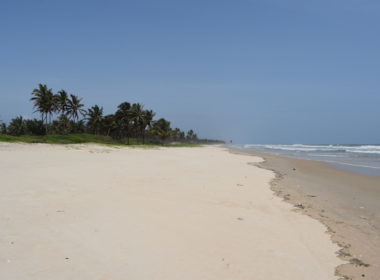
column 311, row 195
column 66, row 258
column 299, row 205
column 344, row 254
column 358, row 262
column 294, row 169
column 240, row 218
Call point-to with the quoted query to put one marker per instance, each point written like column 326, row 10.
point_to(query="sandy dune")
column 94, row 212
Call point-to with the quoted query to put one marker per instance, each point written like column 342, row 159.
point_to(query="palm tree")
column 109, row 124
column 137, row 113
column 176, row 134
column 61, row 101
column 138, row 116
column 123, row 119
column 3, row 128
column 44, row 102
column 141, row 118
column 191, row 135
column 63, row 125
column 75, row 107
column 149, row 115
column 182, row 135
column 95, row 117
column 147, row 122
column 16, row 126
column 162, row 129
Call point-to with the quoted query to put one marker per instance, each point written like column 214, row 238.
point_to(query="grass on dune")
column 84, row 138
column 58, row 139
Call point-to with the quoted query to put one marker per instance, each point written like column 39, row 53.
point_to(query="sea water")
column 358, row 158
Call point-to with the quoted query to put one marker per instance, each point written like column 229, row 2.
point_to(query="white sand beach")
column 96, row 212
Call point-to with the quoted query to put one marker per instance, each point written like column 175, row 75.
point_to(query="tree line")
column 64, row 113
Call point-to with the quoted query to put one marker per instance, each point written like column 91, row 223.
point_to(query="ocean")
column 363, row 159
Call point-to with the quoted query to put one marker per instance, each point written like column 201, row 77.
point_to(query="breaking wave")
column 362, row 149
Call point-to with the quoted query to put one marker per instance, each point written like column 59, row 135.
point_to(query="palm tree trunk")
column 46, row 123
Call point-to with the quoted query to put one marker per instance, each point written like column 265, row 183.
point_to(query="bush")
column 61, row 126
column 3, row 128
column 16, row 126
column 34, row 127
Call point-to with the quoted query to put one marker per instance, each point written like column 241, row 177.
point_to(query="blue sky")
column 272, row 71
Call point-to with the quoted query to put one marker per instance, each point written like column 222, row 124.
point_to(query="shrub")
column 16, row 126
column 34, row 127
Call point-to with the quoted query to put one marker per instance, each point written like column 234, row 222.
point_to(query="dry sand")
column 347, row 202
column 95, row 212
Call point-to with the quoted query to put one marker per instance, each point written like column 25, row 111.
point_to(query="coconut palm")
column 123, row 119
column 162, row 129
column 94, row 118
column 191, row 135
column 61, row 101
column 75, row 107
column 3, row 128
column 44, row 102
column 176, row 134
column 17, row 126
column 137, row 115
column 63, row 125
column 109, row 124
column 147, row 122
column 149, row 115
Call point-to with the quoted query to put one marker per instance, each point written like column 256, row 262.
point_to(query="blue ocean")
column 358, row 158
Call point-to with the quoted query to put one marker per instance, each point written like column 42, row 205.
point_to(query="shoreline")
column 331, row 195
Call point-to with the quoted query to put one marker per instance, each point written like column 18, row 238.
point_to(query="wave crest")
column 363, row 149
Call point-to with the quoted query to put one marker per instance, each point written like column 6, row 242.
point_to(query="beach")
column 346, row 202
column 108, row 212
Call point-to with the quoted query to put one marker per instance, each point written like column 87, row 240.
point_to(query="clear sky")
column 254, row 71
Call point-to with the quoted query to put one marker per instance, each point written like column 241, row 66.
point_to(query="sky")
column 251, row 71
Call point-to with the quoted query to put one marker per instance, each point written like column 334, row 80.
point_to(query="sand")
column 346, row 202
column 96, row 212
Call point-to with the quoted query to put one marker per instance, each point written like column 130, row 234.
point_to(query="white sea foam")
column 359, row 157
column 355, row 165
column 364, row 149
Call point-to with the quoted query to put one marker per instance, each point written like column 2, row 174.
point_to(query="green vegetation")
column 64, row 120
column 81, row 139
column 58, row 139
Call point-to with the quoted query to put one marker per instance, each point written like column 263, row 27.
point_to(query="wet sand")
column 347, row 203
